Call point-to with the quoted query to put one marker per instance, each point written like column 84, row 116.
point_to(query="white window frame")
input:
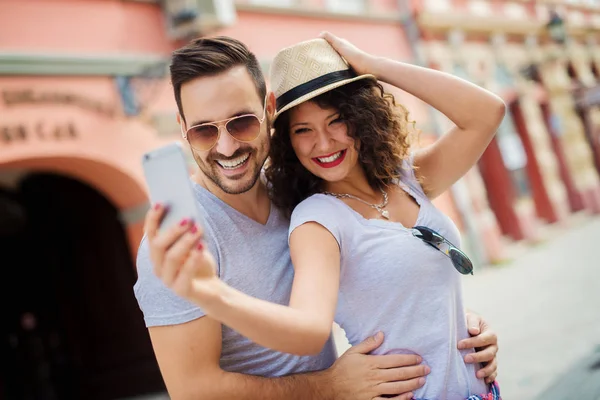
column 347, row 6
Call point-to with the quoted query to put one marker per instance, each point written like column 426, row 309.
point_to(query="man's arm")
column 188, row 356
column 485, row 342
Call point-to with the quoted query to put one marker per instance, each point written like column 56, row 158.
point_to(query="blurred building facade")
column 72, row 195
column 84, row 93
column 542, row 58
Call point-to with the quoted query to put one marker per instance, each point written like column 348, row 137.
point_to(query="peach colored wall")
column 390, row 6
column 82, row 26
column 266, row 34
column 106, row 151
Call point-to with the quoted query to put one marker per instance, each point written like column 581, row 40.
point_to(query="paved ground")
column 581, row 382
column 545, row 306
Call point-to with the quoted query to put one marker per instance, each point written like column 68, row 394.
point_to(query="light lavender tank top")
column 393, row 282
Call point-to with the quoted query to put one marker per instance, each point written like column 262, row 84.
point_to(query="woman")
column 341, row 166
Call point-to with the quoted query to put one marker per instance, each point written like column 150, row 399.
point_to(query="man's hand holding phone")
column 179, row 256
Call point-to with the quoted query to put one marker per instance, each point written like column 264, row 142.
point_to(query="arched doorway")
column 72, row 327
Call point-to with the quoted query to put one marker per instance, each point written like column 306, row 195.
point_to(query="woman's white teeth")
column 236, row 162
column 331, row 158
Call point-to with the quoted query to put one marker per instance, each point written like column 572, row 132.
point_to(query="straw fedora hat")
column 306, row 70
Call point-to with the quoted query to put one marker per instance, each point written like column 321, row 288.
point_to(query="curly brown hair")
column 379, row 126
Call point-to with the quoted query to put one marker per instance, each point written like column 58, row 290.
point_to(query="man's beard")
column 210, row 170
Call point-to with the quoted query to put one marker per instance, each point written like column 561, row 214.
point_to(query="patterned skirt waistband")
column 493, row 394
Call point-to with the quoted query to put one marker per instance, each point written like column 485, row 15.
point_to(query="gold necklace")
column 379, row 207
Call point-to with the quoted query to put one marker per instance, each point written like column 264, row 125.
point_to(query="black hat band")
column 312, row 85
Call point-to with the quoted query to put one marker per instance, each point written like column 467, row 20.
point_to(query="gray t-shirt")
column 252, row 258
column 393, row 282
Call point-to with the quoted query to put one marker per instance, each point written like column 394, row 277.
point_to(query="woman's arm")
column 301, row 328
column 475, row 112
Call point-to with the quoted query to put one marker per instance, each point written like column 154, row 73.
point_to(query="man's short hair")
column 211, row 56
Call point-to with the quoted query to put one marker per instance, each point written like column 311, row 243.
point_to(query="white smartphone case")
column 169, row 184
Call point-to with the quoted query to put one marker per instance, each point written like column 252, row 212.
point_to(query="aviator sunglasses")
column 243, row 128
column 461, row 262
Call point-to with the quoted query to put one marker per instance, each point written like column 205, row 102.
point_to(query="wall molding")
column 15, row 63
column 443, row 22
column 310, row 12
column 466, row 22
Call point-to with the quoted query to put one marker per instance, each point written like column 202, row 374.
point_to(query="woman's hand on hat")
column 361, row 61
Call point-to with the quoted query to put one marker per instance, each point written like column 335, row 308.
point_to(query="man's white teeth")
column 331, row 158
column 236, row 162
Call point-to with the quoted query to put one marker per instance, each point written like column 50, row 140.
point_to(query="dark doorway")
column 72, row 327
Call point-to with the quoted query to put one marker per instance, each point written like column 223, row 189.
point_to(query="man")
column 221, row 97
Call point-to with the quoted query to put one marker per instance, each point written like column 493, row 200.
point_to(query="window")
column 503, row 76
column 459, row 70
column 346, row 6
column 514, row 156
column 128, row 97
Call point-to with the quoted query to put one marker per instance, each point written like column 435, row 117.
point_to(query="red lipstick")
column 333, row 163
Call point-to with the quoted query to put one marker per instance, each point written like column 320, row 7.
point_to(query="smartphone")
column 169, row 183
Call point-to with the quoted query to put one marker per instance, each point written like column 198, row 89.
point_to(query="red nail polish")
column 184, row 222
column 200, row 246
column 194, row 229
column 157, row 206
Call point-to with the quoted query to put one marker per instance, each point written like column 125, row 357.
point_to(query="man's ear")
column 271, row 104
